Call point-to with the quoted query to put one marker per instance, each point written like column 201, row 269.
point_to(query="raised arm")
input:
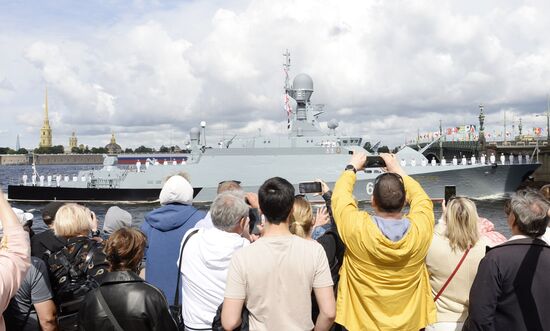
column 15, row 253
column 344, row 206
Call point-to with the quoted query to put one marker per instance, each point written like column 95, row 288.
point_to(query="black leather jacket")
column 135, row 304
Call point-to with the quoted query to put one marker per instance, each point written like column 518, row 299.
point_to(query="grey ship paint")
column 305, row 154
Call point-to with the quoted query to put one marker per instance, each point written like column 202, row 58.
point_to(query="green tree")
column 99, row 150
column 128, row 150
column 143, row 149
column 164, row 149
column 59, row 149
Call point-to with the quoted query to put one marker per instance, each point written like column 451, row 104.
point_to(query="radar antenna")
column 286, row 68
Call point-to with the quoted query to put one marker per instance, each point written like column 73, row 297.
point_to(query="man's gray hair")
column 228, row 209
column 531, row 212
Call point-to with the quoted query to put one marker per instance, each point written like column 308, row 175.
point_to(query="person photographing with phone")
column 384, row 282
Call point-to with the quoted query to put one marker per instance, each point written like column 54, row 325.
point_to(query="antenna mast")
column 286, row 68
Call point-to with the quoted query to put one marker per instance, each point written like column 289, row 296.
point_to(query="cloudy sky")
column 151, row 70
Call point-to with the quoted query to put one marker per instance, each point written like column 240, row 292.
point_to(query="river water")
column 491, row 209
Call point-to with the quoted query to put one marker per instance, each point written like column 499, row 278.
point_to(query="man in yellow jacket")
column 384, row 282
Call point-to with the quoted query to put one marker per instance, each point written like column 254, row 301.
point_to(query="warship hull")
column 307, row 153
column 475, row 181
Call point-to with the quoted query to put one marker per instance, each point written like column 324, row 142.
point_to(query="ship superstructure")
column 304, row 154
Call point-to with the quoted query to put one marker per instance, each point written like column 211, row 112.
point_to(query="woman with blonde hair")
column 452, row 261
column 301, row 219
column 77, row 268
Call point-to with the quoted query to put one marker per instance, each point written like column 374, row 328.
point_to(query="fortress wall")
column 14, row 159
column 68, row 159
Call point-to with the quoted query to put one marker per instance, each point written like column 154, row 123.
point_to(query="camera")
column 374, row 161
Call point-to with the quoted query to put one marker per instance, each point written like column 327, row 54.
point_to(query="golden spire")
column 113, row 139
column 46, row 131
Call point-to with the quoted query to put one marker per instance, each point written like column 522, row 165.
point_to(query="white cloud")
column 383, row 69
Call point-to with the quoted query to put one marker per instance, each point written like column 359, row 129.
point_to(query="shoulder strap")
column 177, row 295
column 452, row 275
column 108, row 311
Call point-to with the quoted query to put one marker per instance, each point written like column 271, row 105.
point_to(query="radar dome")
column 332, row 124
column 302, row 82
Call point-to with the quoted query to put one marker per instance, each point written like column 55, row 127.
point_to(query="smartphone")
column 374, row 161
column 310, row 187
column 450, row 191
column 254, row 218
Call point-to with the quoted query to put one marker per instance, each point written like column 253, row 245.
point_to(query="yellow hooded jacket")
column 383, row 285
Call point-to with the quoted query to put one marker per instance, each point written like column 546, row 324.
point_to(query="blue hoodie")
column 164, row 228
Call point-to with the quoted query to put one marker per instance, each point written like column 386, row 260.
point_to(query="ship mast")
column 286, row 69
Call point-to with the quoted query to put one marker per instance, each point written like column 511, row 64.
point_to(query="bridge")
column 450, row 149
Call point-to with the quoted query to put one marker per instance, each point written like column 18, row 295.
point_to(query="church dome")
column 113, row 147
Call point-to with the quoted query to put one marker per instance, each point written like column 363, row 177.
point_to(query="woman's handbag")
column 217, row 322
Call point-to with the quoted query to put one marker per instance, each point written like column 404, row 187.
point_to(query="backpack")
column 338, row 258
column 71, row 281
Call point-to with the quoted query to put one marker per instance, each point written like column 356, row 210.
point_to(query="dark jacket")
column 511, row 290
column 135, row 304
column 164, row 228
column 46, row 243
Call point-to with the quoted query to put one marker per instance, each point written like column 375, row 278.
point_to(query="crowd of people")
column 270, row 260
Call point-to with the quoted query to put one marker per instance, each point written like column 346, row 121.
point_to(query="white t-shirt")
column 546, row 236
column 204, row 266
column 275, row 276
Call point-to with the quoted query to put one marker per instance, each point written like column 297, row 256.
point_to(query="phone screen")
column 310, row 187
column 450, row 191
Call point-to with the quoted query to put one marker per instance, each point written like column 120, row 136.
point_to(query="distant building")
column 73, row 141
column 17, row 144
column 46, row 131
column 113, row 147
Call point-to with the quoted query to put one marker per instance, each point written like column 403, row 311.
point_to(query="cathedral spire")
column 46, row 131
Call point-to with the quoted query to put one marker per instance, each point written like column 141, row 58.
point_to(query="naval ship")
column 306, row 153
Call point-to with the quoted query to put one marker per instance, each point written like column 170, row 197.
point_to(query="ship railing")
column 468, row 161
